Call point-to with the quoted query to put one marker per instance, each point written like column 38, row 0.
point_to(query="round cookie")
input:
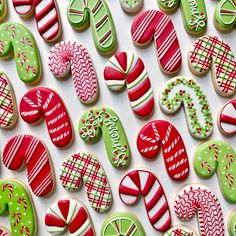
column 17, row 39
column 187, row 92
column 104, row 121
column 96, row 13
column 131, row 6
column 218, row 156
column 16, row 200
column 227, row 118
column 71, row 214
column 3, row 9
column 180, row 231
column 232, row 224
column 84, row 168
column 122, row 223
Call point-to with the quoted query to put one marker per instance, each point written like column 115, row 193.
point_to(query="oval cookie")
column 3, row 9
column 131, row 6
column 180, row 231
column 232, row 224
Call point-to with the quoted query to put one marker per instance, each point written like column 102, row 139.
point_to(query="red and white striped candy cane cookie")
column 69, row 214
column 126, row 68
column 4, row 231
column 31, row 150
column 44, row 101
column 156, row 24
column 199, row 199
column 46, row 14
column 160, row 133
column 227, row 118
column 143, row 182
column 69, row 55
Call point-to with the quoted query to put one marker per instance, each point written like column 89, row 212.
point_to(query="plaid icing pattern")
column 6, row 103
column 210, row 49
column 86, row 166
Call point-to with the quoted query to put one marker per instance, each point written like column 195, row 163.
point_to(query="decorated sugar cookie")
column 31, row 150
column 4, row 231
column 104, row 121
column 227, row 118
column 211, row 52
column 69, row 55
column 154, row 24
column 122, row 223
column 8, row 108
column 218, row 156
column 44, row 101
column 131, row 6
column 232, row 224
column 224, row 17
column 16, row 201
column 160, row 133
column 3, row 9
column 17, row 39
column 46, row 14
column 180, row 231
column 193, row 12
column 84, row 168
column 198, row 199
column 95, row 13
column 187, row 92
column 143, row 182
column 126, row 68
column 69, row 214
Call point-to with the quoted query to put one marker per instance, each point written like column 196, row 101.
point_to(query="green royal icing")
column 16, row 38
column 193, row 12
column 131, row 3
column 232, row 224
column 218, row 156
column 102, row 120
column 15, row 199
column 122, row 224
column 96, row 13
column 3, row 9
column 181, row 90
column 180, row 231
column 224, row 16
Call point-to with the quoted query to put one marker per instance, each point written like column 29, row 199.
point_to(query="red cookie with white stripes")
column 69, row 214
column 197, row 198
column 126, row 68
column 227, row 118
column 69, row 55
column 46, row 14
column 145, row 183
column 156, row 24
column 4, row 231
column 8, row 108
column 44, row 101
column 160, row 133
column 30, row 150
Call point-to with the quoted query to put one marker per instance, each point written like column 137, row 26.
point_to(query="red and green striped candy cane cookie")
column 16, row 38
column 180, row 231
column 15, row 199
column 232, row 224
column 218, row 156
column 81, row 13
column 122, row 224
column 3, row 9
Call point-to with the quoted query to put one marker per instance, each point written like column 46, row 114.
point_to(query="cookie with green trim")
column 3, row 9
column 180, row 231
column 232, row 224
column 131, row 6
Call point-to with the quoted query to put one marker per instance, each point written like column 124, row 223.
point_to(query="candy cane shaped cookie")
column 232, row 224
column 44, row 101
column 46, row 14
column 193, row 12
column 16, row 200
column 96, row 13
column 3, row 9
column 102, row 120
column 218, row 156
column 18, row 39
column 211, row 52
column 143, row 182
column 30, row 149
column 131, row 6
column 4, row 231
column 199, row 199
column 227, row 118
column 155, row 24
column 128, row 68
column 187, row 92
column 8, row 108
column 69, row 214
column 68, row 55
column 180, row 231
column 85, row 167
column 162, row 133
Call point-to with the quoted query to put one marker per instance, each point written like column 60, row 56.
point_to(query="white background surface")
column 120, row 103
